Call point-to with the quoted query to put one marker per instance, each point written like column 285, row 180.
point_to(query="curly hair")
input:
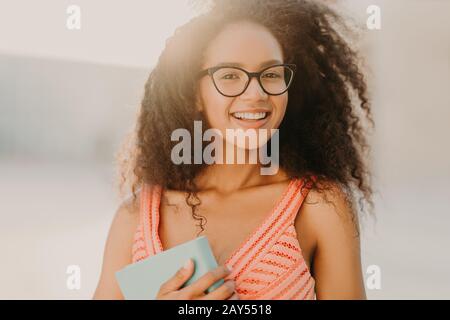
column 322, row 139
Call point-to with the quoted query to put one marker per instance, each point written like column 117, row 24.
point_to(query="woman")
column 293, row 234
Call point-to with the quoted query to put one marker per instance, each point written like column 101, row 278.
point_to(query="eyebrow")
column 240, row 65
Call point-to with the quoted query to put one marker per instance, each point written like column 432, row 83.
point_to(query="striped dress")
column 269, row 265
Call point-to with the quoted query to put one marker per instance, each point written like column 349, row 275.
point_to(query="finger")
column 234, row 297
column 180, row 277
column 204, row 282
column 223, row 292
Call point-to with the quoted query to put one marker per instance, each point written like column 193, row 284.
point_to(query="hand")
column 170, row 290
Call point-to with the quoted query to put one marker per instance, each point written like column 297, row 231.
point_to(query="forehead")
column 243, row 43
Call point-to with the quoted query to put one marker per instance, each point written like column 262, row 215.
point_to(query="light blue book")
column 142, row 280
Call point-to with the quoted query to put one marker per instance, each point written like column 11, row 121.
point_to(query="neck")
column 228, row 178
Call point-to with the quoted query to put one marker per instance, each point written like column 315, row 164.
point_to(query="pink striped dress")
column 269, row 265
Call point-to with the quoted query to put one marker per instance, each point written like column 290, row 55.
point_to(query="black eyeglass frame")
column 212, row 70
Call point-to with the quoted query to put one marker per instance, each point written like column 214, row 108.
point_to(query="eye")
column 229, row 76
column 271, row 75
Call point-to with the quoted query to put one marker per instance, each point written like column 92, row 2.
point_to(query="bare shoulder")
column 125, row 220
column 118, row 247
column 127, row 214
column 332, row 224
column 329, row 210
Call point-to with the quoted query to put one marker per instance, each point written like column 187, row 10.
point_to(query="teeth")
column 250, row 116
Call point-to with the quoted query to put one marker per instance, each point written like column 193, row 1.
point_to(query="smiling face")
column 253, row 48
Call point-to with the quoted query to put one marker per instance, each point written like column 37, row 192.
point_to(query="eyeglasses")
column 233, row 81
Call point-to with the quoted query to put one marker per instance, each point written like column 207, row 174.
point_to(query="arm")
column 117, row 252
column 336, row 262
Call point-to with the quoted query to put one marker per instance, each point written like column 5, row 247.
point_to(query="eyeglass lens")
column 232, row 81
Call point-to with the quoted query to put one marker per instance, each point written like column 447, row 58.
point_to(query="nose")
column 254, row 91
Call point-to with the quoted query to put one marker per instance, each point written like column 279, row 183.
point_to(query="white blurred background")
column 67, row 98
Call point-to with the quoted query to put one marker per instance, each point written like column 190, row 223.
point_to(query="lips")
column 250, row 119
column 250, row 115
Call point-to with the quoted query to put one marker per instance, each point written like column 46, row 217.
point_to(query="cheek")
column 280, row 103
column 214, row 106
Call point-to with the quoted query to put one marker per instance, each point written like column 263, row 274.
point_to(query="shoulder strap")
column 146, row 217
column 300, row 195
